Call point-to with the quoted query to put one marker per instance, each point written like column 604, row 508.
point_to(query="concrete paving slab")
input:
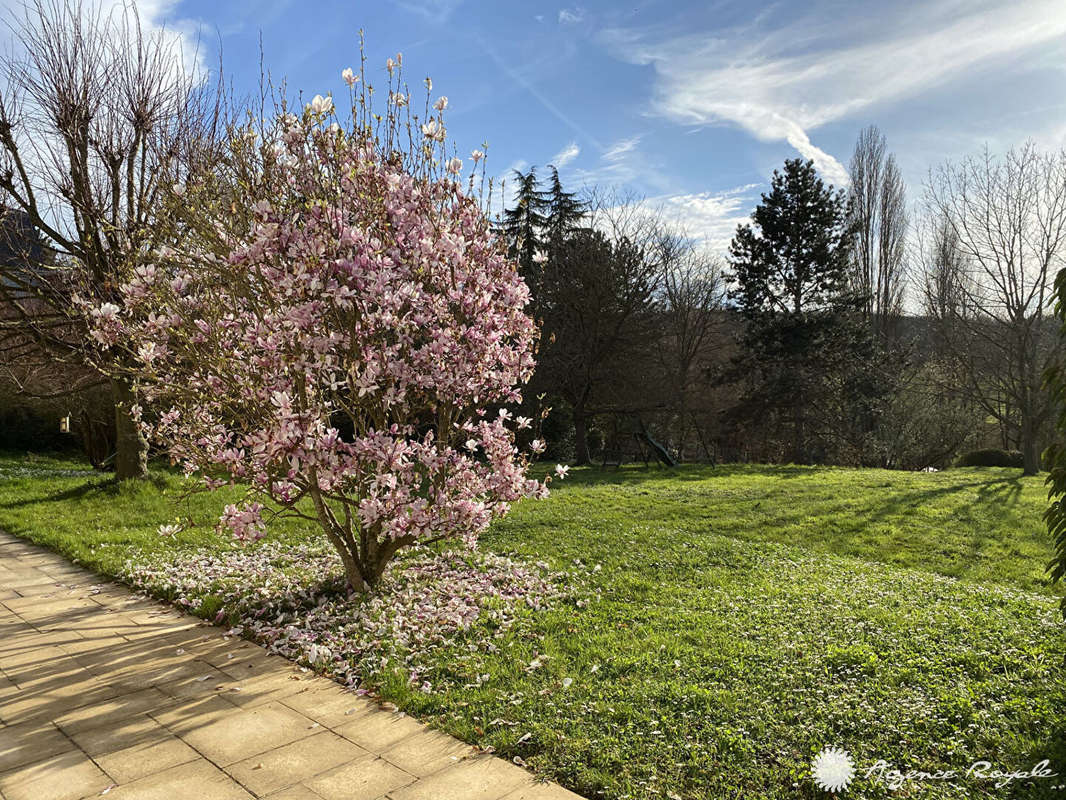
column 102, row 690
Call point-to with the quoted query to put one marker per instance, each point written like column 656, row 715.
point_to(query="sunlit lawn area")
column 734, row 621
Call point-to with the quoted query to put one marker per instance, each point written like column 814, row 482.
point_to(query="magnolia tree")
column 339, row 332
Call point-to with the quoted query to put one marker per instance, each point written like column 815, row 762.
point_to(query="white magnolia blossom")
column 433, row 130
column 321, row 105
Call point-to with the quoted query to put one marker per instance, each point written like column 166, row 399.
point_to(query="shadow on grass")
column 1006, row 491
column 1052, row 747
column 628, row 474
column 96, row 487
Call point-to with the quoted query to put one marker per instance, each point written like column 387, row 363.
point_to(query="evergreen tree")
column 565, row 210
column 524, row 225
column 802, row 343
column 524, row 229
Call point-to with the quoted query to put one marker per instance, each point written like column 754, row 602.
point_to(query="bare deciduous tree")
column 99, row 119
column 879, row 216
column 1003, row 239
column 598, row 305
column 693, row 292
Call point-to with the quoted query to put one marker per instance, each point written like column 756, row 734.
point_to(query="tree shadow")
column 1004, row 491
column 99, row 487
column 595, row 475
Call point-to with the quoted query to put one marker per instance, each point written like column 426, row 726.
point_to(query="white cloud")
column 155, row 16
column 782, row 83
column 571, row 16
column 566, row 155
column 619, row 149
column 622, row 165
column 710, row 218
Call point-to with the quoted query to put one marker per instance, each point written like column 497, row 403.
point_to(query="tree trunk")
column 131, row 450
column 682, row 412
column 381, row 555
column 581, row 438
column 799, row 445
column 1030, row 450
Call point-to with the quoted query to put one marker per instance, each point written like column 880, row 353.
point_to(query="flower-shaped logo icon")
column 833, row 769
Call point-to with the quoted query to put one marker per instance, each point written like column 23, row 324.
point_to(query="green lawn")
column 739, row 619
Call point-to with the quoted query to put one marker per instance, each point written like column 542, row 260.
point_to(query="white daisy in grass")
column 833, row 769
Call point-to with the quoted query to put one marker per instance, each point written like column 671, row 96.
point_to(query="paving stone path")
column 106, row 694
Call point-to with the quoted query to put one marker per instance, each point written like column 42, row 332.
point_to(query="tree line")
column 837, row 329
column 840, row 328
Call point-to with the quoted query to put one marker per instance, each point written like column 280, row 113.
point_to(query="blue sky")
column 691, row 104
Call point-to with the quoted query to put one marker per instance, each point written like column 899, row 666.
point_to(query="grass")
column 740, row 619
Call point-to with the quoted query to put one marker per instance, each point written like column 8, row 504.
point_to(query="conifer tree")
column 791, row 269
column 523, row 225
column 565, row 210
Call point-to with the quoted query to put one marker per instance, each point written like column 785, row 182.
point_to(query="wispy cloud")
column 622, row 165
column 619, row 149
column 781, row 83
column 571, row 16
column 436, row 12
column 566, row 155
column 710, row 218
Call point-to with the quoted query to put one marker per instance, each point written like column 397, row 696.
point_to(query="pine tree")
column 798, row 258
column 565, row 210
column 524, row 225
column 801, row 340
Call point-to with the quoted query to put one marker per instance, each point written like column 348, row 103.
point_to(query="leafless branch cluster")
column 99, row 119
column 878, row 209
column 998, row 239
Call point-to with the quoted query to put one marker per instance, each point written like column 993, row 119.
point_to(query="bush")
column 329, row 276
column 991, row 457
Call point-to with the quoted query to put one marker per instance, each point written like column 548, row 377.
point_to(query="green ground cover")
column 733, row 621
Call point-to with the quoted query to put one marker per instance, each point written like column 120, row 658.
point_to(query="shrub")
column 338, row 272
column 990, row 457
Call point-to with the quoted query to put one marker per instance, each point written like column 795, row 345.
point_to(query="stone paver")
column 64, row 777
column 483, row 778
column 301, row 760
column 363, row 780
column 105, row 692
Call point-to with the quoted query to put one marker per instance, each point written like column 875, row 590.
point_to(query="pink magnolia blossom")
column 333, row 340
